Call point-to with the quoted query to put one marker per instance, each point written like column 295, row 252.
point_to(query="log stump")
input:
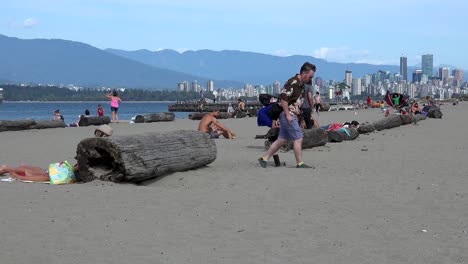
column 93, row 120
column 136, row 158
column 391, row 121
column 159, row 117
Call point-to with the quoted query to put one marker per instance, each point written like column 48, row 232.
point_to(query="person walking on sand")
column 291, row 101
column 209, row 124
column 318, row 102
column 306, row 107
column 115, row 100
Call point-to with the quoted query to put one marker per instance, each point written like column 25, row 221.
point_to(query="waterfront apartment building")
column 349, row 78
column 404, row 68
column 427, row 64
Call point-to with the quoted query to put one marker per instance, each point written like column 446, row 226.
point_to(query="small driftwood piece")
column 199, row 116
column 159, row 117
column 93, row 120
column 339, row 135
column 25, row 124
column 136, row 158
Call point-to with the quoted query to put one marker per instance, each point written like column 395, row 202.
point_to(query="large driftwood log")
column 136, row 158
column 159, row 117
column 365, row 128
column 93, row 120
column 417, row 118
column 434, row 112
column 391, row 121
column 340, row 135
column 314, row 137
column 14, row 125
column 324, row 107
column 40, row 124
column 252, row 112
column 199, row 116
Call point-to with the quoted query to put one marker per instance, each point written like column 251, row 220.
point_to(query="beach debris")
column 363, row 149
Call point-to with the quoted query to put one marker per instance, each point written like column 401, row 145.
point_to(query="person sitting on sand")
column 415, row 109
column 58, row 116
column 209, row 124
column 77, row 123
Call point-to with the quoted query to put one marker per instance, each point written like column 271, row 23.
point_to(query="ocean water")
column 71, row 110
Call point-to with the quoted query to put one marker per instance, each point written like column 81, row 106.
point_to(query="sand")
column 395, row 196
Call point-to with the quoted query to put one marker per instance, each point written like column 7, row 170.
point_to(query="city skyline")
column 338, row 31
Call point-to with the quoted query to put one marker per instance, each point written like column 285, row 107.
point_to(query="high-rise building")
column 458, row 74
column 276, row 87
column 417, row 76
column 427, row 64
column 404, row 68
column 210, row 86
column 356, row 88
column 444, row 73
column 349, row 78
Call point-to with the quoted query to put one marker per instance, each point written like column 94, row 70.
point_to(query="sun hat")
column 103, row 131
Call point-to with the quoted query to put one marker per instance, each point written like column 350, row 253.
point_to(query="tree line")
column 54, row 93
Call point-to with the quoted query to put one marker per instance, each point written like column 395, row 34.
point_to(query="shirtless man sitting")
column 209, row 124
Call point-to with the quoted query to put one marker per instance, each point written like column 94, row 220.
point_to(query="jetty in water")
column 182, row 106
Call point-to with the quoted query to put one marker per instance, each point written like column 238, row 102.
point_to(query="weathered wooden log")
column 252, row 112
column 199, row 116
column 314, row 137
column 41, row 124
column 417, row 118
column 324, row 107
column 159, row 117
column 15, row 125
column 388, row 122
column 139, row 119
column 339, row 135
column 365, row 128
column 93, row 120
column 136, row 158
column 434, row 112
column 240, row 114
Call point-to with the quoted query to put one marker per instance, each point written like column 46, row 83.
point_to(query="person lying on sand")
column 37, row 174
column 209, row 124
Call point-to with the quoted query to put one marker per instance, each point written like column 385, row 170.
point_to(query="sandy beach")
column 394, row 196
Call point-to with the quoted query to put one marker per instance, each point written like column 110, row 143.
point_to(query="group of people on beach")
column 114, row 103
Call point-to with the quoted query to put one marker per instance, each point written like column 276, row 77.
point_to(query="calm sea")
column 71, row 110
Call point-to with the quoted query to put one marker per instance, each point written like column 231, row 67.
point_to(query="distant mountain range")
column 68, row 62
column 60, row 61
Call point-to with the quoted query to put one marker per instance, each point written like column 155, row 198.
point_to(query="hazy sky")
column 370, row 31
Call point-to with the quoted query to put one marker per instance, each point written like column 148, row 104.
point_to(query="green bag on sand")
column 61, row 173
